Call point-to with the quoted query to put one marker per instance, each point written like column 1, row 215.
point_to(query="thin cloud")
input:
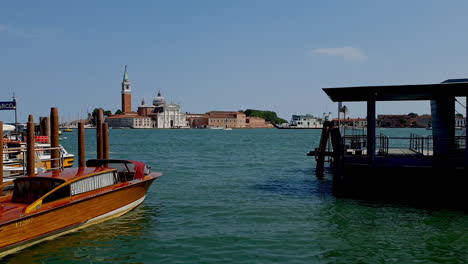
column 347, row 53
column 4, row 27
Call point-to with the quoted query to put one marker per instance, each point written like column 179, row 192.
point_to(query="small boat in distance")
column 54, row 203
column 304, row 122
column 67, row 130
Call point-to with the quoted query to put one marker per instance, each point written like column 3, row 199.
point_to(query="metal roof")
column 453, row 87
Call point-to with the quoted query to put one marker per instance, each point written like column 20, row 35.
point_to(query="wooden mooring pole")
column 81, row 145
column 99, row 145
column 45, row 127
column 320, row 168
column 54, row 138
column 105, row 140
column 30, row 162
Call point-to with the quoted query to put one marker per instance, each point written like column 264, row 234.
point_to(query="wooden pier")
column 391, row 166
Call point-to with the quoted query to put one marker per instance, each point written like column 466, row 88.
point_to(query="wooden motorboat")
column 51, row 204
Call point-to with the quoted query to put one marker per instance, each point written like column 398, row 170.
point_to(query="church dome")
column 159, row 100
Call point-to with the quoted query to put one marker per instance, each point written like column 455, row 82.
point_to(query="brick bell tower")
column 126, row 93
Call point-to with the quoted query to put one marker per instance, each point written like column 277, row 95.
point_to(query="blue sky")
column 224, row 55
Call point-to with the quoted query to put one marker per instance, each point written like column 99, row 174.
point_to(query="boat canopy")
column 452, row 87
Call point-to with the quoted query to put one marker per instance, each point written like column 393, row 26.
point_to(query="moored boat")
column 14, row 153
column 51, row 204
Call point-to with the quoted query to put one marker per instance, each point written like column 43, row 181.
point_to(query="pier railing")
column 412, row 145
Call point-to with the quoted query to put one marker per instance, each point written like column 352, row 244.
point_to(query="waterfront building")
column 197, row 120
column 353, row 122
column 158, row 115
column 225, row 119
column 257, row 122
column 396, row 121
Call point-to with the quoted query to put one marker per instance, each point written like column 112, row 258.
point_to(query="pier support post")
column 54, row 138
column 81, row 145
column 30, row 162
column 105, row 140
column 99, row 119
column 371, row 130
column 1, row 158
column 443, row 129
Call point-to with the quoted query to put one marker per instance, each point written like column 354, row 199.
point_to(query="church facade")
column 158, row 115
column 163, row 115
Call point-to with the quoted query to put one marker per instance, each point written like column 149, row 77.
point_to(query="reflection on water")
column 94, row 243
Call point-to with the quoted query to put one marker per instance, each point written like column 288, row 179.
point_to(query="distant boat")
column 67, row 130
column 227, row 128
column 303, row 122
column 216, row 127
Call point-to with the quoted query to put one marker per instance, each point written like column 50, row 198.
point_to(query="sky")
column 224, row 54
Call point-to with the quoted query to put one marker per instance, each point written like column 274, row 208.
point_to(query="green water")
column 249, row 196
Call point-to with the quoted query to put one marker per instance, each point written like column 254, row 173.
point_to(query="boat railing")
column 15, row 159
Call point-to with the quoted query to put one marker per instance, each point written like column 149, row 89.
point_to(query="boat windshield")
column 130, row 168
column 27, row 190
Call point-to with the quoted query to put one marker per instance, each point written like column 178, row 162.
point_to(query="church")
column 158, row 115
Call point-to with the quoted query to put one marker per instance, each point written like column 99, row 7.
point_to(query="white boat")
column 304, row 122
column 227, row 128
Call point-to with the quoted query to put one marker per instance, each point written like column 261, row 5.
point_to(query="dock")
column 379, row 164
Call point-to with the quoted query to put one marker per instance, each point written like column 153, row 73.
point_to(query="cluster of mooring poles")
column 52, row 128
column 331, row 131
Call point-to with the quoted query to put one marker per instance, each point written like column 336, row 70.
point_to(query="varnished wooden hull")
column 73, row 215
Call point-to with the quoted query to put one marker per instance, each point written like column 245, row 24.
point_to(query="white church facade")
column 158, row 115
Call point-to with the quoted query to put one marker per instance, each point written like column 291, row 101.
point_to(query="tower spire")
column 125, row 74
column 126, row 93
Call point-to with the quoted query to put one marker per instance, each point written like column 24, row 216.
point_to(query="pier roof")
column 457, row 87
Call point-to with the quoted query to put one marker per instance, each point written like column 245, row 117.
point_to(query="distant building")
column 460, row 122
column 164, row 115
column 257, row 122
column 225, row 119
column 158, row 115
column 197, row 120
column 126, row 94
column 354, row 122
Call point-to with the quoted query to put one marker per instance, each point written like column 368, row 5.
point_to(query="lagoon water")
column 249, row 196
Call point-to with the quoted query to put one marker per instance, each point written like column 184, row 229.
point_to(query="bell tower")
column 126, row 93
